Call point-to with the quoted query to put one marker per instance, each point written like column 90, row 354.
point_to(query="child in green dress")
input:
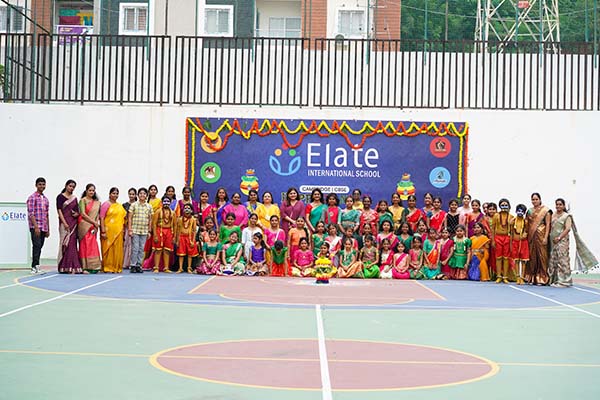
column 369, row 256
column 462, row 254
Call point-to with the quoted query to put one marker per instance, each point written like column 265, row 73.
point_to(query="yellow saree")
column 112, row 242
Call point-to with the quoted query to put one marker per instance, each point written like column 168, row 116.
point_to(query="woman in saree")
column 397, row 211
column 238, row 210
column 356, row 196
column 221, row 200
column 112, row 223
column 437, row 216
column 559, row 267
column 291, row 209
column 368, row 216
column 170, row 193
column 480, row 244
column 132, row 194
column 539, row 219
column 427, row 205
column 252, row 204
column 87, row 229
column 266, row 210
column 68, row 211
column 414, row 214
column 314, row 210
column 349, row 216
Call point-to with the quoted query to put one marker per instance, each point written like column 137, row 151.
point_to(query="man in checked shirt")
column 39, row 223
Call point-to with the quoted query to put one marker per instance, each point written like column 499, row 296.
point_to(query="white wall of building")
column 279, row 8
column 511, row 153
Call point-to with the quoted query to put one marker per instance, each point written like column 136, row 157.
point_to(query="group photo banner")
column 337, row 156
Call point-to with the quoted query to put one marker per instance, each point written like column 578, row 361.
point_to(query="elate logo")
column 440, row 147
column 439, row 177
column 292, row 167
column 13, row 216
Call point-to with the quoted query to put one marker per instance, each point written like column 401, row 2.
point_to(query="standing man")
column 39, row 223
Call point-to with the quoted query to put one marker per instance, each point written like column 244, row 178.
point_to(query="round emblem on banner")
column 204, row 143
column 439, row 177
column 440, row 147
column 210, row 172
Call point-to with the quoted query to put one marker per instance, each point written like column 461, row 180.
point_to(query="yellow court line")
column 201, row 284
column 436, row 294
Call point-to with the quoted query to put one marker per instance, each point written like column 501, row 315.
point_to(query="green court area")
column 196, row 337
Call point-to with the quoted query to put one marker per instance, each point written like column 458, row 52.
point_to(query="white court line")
column 556, row 302
column 325, row 380
column 32, row 280
column 39, row 303
column 585, row 290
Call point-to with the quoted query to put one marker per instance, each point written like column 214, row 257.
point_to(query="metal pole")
column 596, row 33
column 446, row 21
column 516, row 22
column 587, row 23
column 166, row 17
column 426, row 16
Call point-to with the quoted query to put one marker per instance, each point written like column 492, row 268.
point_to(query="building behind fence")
column 315, row 72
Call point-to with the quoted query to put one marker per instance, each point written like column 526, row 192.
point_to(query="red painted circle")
column 353, row 365
column 440, row 147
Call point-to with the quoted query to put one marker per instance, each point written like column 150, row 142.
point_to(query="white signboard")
column 15, row 241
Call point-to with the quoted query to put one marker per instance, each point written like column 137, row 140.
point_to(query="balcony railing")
column 299, row 72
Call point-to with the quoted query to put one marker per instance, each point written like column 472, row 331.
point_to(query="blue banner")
column 378, row 157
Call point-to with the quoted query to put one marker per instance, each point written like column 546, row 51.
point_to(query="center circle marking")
column 354, row 365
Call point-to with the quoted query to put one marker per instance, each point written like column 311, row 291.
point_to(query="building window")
column 288, row 27
column 351, row 23
column 133, row 19
column 11, row 19
column 218, row 20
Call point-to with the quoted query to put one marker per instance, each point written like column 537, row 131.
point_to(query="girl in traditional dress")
column 87, row 229
column 205, row 208
column 349, row 267
column 427, row 205
column 437, row 216
column 132, row 194
column 367, row 231
column 421, row 230
column 461, row 255
column 539, row 218
column 474, row 217
column 559, row 266
column 274, row 233
column 416, row 258
column 386, row 233
column 187, row 199
column 413, row 214
column 278, row 264
column 238, row 210
column 252, row 204
column 257, row 262
column 368, row 216
column 431, row 264
column 248, row 234
column 405, row 236
column 397, row 211
column 480, row 244
column 334, row 242
column 185, row 238
column 154, row 201
column 331, row 215
column 303, row 260
column 400, row 268
column 318, row 237
column 492, row 209
column 349, row 217
column 386, row 260
column 384, row 214
column 314, row 210
column 211, row 255
column 221, row 200
column 112, row 231
column 446, row 250
column 349, row 234
column 324, row 254
column 228, row 227
column 209, row 225
column 369, row 255
column 68, row 211
column 452, row 217
column 500, row 235
column 266, row 210
column 291, row 209
column 295, row 234
column 163, row 226
column 464, row 209
column 233, row 256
